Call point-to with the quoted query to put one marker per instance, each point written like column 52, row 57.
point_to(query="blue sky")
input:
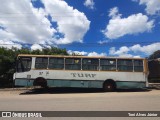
column 125, row 28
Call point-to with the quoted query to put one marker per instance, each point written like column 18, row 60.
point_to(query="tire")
column 40, row 82
column 109, row 86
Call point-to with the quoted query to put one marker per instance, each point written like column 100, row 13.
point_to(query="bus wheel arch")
column 109, row 85
column 40, row 81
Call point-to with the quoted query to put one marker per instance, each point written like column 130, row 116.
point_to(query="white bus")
column 109, row 73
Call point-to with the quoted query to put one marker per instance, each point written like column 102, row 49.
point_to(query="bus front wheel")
column 109, row 86
column 40, row 82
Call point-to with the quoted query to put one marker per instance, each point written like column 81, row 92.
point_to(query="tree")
column 155, row 55
column 8, row 57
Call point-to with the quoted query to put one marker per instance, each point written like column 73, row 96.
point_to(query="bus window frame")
column 97, row 65
column 115, row 64
column 74, row 64
column 19, row 61
column 125, row 65
column 63, row 64
column 143, row 65
column 41, row 63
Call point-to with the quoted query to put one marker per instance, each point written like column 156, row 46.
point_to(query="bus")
column 109, row 73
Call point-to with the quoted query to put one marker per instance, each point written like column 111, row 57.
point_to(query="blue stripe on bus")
column 82, row 83
column 130, row 85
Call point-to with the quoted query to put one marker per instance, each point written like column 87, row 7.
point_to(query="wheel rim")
column 109, row 87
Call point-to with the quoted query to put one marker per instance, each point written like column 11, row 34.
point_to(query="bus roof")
column 69, row 56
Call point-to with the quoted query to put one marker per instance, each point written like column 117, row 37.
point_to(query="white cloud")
column 136, row 49
column 36, row 47
column 5, row 40
column 97, row 54
column 77, row 52
column 89, row 3
column 128, row 56
column 147, row 49
column 21, row 22
column 122, row 52
column 133, row 24
column 9, row 44
column 24, row 22
column 72, row 23
column 112, row 51
column 5, row 35
column 103, row 41
column 86, row 53
column 152, row 6
column 114, row 13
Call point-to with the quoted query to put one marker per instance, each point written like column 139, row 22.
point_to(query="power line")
column 85, row 44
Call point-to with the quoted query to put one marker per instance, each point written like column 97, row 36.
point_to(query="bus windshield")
column 23, row 64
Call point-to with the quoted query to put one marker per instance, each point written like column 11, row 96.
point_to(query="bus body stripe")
column 81, row 83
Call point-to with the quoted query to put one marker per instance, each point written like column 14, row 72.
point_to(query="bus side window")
column 56, row 63
column 90, row 64
column 124, row 65
column 41, row 63
column 138, row 65
column 108, row 64
column 73, row 64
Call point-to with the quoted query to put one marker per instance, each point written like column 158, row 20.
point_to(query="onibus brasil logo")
column 21, row 114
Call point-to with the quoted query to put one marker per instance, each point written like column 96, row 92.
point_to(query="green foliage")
column 8, row 57
column 5, row 64
column 12, row 53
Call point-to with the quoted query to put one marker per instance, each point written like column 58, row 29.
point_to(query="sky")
column 123, row 28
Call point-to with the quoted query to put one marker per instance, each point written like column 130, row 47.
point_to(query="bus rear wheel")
column 109, row 86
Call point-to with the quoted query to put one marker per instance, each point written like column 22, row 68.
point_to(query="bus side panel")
column 75, row 83
column 20, row 82
column 96, row 84
column 93, row 79
column 23, row 82
column 130, row 85
column 58, row 83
